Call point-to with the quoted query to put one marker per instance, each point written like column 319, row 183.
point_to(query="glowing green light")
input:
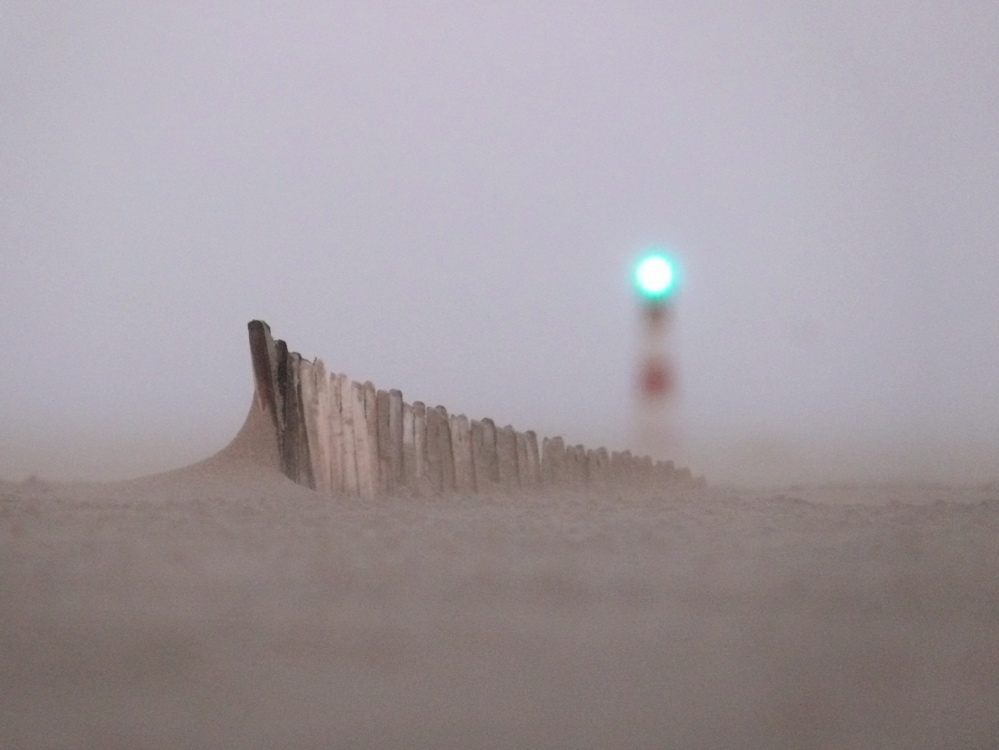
column 655, row 276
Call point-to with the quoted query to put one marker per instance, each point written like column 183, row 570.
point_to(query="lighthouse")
column 656, row 280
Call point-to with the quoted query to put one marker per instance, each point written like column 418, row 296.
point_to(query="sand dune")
column 223, row 605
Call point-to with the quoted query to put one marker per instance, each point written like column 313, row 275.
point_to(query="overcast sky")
column 447, row 198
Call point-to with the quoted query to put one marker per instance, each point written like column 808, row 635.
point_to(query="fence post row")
column 342, row 437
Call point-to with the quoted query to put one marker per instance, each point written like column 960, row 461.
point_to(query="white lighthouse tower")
column 656, row 281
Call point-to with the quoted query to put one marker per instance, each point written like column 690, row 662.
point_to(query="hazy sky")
column 447, row 198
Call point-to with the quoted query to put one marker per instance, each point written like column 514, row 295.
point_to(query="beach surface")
column 224, row 606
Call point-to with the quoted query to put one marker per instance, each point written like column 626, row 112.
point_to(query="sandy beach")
column 634, row 378
column 224, row 606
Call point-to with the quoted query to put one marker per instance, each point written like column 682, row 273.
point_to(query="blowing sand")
column 224, row 606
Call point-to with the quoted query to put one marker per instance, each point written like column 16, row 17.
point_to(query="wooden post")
column 315, row 408
column 348, row 446
column 408, row 448
column 386, row 484
column 520, row 441
column 506, row 458
column 461, row 444
column 435, row 465
column 264, row 357
column 295, row 445
column 396, row 466
column 489, row 451
column 533, row 472
column 362, row 443
column 422, row 471
column 371, row 424
column 335, row 417
column 445, row 450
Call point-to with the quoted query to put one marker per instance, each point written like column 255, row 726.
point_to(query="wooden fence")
column 343, row 437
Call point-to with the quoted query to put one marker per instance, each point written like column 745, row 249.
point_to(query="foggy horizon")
column 449, row 200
